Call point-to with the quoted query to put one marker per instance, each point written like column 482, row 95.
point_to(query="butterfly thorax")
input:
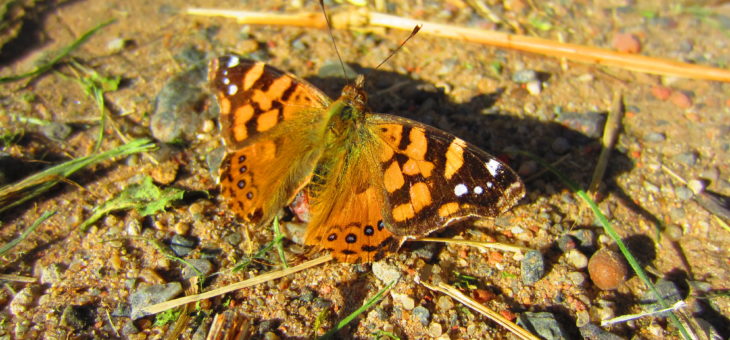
column 347, row 114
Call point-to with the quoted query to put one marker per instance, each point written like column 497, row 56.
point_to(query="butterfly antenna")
column 413, row 33
column 332, row 36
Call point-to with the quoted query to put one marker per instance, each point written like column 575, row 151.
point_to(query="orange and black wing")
column 432, row 178
column 273, row 125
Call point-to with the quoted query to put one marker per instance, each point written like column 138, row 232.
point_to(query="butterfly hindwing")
column 433, row 178
column 272, row 123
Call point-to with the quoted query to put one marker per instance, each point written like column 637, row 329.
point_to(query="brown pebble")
column 626, row 42
column 607, row 269
column 165, row 173
column 680, row 99
column 661, row 92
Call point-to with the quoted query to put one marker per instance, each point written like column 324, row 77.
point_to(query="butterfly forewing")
column 433, row 178
column 273, row 125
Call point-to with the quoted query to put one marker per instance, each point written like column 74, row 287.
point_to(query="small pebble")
column 567, row 242
column 674, row 232
column 680, row 99
column 527, row 168
column 77, row 317
column 435, row 329
column 23, row 300
column 560, row 145
column 404, row 300
column 650, row 187
column 577, row 278
column 181, row 245
column 607, row 269
column 683, row 193
column 165, row 173
column 422, row 315
column 655, row 137
column 576, row 258
column 542, row 324
column 688, row 158
column 202, row 265
column 669, row 292
column 116, row 45
column 386, row 272
column 582, row 318
column 534, row 87
column 592, row 331
column 661, row 92
column 524, row 76
column 586, row 239
column 151, row 295
column 532, row 267
column 696, row 186
column 626, row 42
column 444, row 303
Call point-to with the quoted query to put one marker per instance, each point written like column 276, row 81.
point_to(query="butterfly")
column 372, row 181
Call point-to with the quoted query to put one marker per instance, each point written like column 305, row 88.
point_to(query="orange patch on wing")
column 414, row 167
column 263, row 99
column 242, row 115
column 454, row 158
column 403, row 212
column 224, row 104
column 420, row 196
column 278, row 86
column 393, row 177
column 267, row 120
column 418, row 146
column 386, row 154
column 448, row 209
column 252, row 75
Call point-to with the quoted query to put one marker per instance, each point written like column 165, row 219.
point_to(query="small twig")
column 18, row 278
column 585, row 54
column 484, row 310
column 610, row 135
column 160, row 307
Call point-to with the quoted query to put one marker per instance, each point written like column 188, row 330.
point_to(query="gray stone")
column 542, row 324
column 202, row 265
column 683, row 193
column 669, row 292
column 176, row 115
column 422, row 315
column 688, row 158
column 24, row 299
column 181, row 245
column 532, row 267
column 151, row 295
column 593, row 332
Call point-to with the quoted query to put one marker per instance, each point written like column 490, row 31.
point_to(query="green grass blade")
column 616, row 238
column 375, row 299
column 17, row 193
column 279, row 241
column 61, row 54
column 26, row 232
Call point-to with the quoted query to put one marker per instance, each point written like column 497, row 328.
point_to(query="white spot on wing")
column 490, row 185
column 478, row 190
column 460, row 189
column 232, row 89
column 494, row 167
column 233, row 61
column 226, row 81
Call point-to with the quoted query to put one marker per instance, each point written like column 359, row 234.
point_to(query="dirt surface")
column 84, row 280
